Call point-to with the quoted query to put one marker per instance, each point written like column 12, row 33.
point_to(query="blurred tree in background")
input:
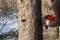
column 7, row 7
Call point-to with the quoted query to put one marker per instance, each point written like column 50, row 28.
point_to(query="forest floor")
column 47, row 34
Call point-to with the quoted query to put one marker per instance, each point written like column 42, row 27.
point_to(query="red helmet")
column 50, row 17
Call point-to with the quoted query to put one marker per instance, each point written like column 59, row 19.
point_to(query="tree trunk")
column 29, row 10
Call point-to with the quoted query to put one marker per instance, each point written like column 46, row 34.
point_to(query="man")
column 49, row 20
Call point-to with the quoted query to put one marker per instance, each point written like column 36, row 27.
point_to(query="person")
column 47, row 19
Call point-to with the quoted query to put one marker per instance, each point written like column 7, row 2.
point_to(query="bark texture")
column 29, row 17
column 26, row 19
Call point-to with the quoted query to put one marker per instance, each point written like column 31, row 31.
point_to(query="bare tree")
column 29, row 17
column 28, row 11
column 8, row 7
